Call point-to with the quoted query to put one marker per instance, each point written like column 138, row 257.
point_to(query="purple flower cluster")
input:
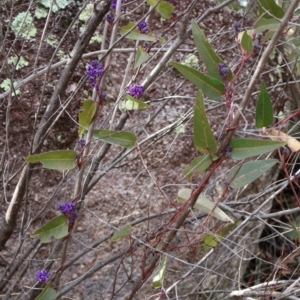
column 110, row 18
column 143, row 27
column 114, row 5
column 81, row 142
column 66, row 208
column 94, row 72
column 69, row 210
column 223, row 70
column 136, row 90
column 236, row 27
column 42, row 275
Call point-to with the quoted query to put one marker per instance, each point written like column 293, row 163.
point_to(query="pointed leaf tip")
column 122, row 138
column 244, row 148
column 56, row 227
column 264, row 109
column 211, row 87
column 207, row 53
column 204, row 140
column 55, row 160
column 89, row 108
column 240, row 176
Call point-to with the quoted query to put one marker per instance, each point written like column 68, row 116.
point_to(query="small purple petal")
column 66, row 207
column 143, row 27
column 136, row 90
column 94, row 72
column 42, row 275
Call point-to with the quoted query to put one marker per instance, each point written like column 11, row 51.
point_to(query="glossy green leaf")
column 141, row 57
column 263, row 24
column 56, row 227
column 56, row 160
column 159, row 272
column 272, row 8
column 204, row 205
column 249, row 171
column 204, row 140
column 132, row 103
column 244, row 148
column 121, row 138
column 264, row 109
column 121, row 233
column 48, row 293
column 207, row 53
column 246, row 43
column 211, row 240
column 211, row 87
column 89, row 108
column 199, row 164
column 165, row 9
column 135, row 34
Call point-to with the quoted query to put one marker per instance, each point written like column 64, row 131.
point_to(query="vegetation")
column 143, row 150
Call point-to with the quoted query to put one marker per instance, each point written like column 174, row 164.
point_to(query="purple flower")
column 143, row 27
column 259, row 37
column 81, row 142
column 66, row 208
column 73, row 216
column 94, row 71
column 69, row 210
column 236, row 27
column 110, row 18
column 256, row 48
column 223, row 70
column 114, row 5
column 42, row 275
column 136, row 90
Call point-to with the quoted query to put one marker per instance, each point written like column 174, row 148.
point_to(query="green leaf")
column 132, row 104
column 244, row 148
column 204, row 140
column 159, row 273
column 141, row 57
column 246, row 42
column 56, row 160
column 204, row 205
column 211, row 87
column 165, row 9
column 135, row 34
column 263, row 24
column 264, row 109
column 121, row 138
column 47, row 293
column 249, row 171
column 89, row 108
column 207, row 53
column 56, row 227
column 200, row 164
column 271, row 7
column 151, row 2
column 121, row 233
column 211, row 240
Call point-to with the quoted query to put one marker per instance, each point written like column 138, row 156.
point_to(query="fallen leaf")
column 276, row 135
